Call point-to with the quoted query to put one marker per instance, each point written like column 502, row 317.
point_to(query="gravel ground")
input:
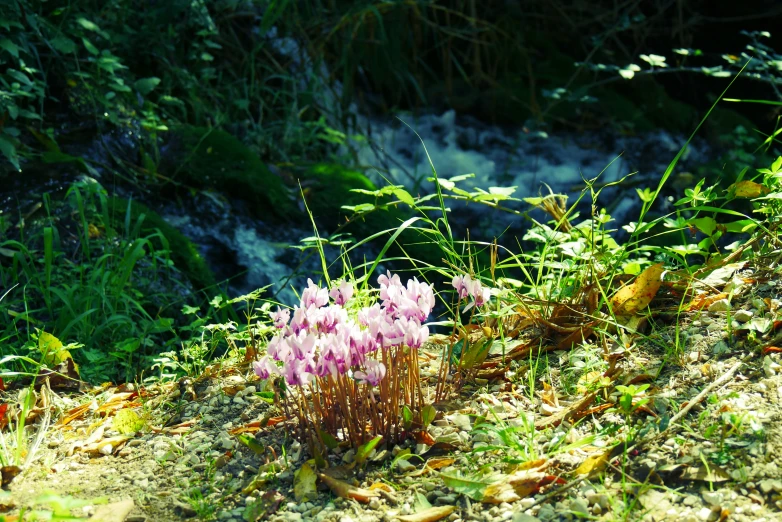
column 721, row 461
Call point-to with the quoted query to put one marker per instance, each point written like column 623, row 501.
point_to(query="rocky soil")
column 498, row 451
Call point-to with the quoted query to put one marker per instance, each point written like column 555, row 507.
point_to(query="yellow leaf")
column 636, row 296
column 748, row 189
column 431, row 514
column 304, row 480
column 52, row 350
column 93, row 231
column 594, row 463
column 127, row 422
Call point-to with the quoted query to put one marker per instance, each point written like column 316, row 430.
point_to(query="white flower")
column 628, row 72
column 654, row 60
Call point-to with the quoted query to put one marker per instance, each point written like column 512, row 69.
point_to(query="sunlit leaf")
column 127, row 422
column 636, row 296
column 747, row 189
column 363, row 451
column 345, row 490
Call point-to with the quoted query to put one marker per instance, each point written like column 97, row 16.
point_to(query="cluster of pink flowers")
column 320, row 339
column 468, row 287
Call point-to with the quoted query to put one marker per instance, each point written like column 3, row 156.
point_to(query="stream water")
column 456, row 145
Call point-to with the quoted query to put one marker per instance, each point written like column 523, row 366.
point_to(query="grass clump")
column 94, row 270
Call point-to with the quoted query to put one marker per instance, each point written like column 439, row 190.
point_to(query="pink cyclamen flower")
column 302, row 346
column 297, row 372
column 342, row 293
column 279, row 349
column 373, row 373
column 419, row 300
column 463, row 285
column 281, row 317
column 264, row 368
column 467, row 287
column 314, row 296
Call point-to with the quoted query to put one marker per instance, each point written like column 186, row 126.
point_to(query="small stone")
column 579, row 506
column 690, row 500
column 404, row 466
column 523, row 517
column 447, row 499
column 374, row 504
column 703, row 514
column 106, row 449
column 742, row 316
column 461, row 421
column 599, row 499
column 766, row 486
column 720, row 348
column 712, row 498
column 721, row 305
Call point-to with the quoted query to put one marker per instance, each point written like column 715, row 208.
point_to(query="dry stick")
column 417, row 367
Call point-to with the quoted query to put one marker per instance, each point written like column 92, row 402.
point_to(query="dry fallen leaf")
column 431, row 514
column 304, row 480
column 520, row 484
column 636, row 296
column 114, row 512
column 345, row 490
column 712, row 473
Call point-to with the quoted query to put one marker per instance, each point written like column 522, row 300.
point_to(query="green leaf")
column 63, row 44
column 407, row 417
column 90, row 48
column 706, row 225
column 9, row 151
column 427, row 415
column 189, row 310
column 359, row 209
column 421, row 502
column 88, row 25
column 328, row 439
column 146, row 85
column 266, row 396
column 363, row 451
column 19, row 76
column 741, row 226
column 404, row 196
column 250, row 442
column 626, row 402
column 10, row 47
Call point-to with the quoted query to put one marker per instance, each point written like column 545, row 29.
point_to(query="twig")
column 557, row 491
